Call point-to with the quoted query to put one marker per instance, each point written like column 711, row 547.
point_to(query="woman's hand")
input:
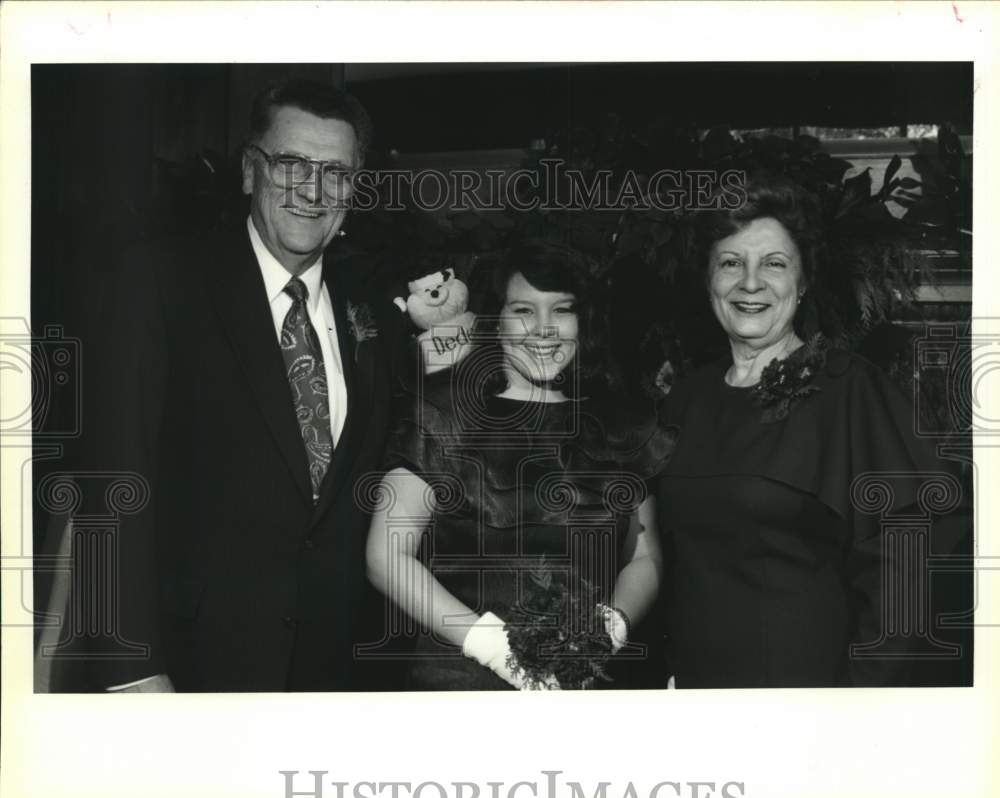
column 486, row 643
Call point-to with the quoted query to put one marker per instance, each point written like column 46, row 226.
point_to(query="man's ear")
column 247, row 167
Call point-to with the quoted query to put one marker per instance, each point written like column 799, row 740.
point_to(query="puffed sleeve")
column 903, row 504
column 627, row 432
column 422, row 430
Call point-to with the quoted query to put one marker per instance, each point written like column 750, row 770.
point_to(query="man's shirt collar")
column 275, row 275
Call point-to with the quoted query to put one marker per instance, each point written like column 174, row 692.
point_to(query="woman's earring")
column 341, row 233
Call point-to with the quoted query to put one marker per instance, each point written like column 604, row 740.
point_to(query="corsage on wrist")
column 616, row 624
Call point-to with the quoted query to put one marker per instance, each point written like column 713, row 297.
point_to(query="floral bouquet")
column 558, row 631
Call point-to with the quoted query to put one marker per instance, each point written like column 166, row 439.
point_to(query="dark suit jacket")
column 230, row 574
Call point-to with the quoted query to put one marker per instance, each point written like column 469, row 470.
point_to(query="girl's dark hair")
column 547, row 266
column 776, row 197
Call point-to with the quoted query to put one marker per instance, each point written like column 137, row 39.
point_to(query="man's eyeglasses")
column 288, row 171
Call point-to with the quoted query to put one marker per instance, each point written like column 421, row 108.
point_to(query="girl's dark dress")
column 774, row 568
column 515, row 482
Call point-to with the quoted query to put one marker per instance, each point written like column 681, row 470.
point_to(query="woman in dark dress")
column 512, row 464
column 790, row 454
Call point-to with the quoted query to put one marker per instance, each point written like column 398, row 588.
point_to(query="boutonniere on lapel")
column 361, row 324
column 785, row 383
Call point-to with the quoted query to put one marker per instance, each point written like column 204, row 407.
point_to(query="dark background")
column 112, row 145
column 123, row 152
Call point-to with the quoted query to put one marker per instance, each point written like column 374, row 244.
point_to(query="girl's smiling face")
column 538, row 333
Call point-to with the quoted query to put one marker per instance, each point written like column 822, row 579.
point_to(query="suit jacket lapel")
column 358, row 376
column 241, row 301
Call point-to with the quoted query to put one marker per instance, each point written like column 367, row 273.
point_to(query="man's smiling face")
column 296, row 224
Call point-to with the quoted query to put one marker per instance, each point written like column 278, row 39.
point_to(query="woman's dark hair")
column 798, row 211
column 319, row 99
column 546, row 266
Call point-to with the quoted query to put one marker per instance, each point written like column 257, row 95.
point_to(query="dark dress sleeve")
column 423, row 430
column 628, row 433
column 618, row 453
column 903, row 504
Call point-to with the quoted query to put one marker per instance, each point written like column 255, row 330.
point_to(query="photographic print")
column 639, row 374
column 382, row 413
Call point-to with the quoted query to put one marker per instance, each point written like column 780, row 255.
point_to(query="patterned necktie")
column 307, row 378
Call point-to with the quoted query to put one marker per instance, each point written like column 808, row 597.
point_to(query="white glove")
column 486, row 643
column 615, row 625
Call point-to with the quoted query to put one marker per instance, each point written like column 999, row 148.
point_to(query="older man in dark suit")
column 247, row 381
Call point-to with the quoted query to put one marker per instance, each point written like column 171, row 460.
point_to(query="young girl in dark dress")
column 513, row 463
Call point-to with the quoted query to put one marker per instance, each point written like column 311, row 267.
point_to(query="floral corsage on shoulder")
column 784, row 383
column 361, row 322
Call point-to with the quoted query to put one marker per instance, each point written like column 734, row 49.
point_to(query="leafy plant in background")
column 645, row 258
